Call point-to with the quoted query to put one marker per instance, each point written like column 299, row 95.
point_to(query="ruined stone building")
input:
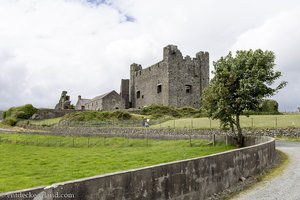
column 106, row 102
column 64, row 102
column 175, row 81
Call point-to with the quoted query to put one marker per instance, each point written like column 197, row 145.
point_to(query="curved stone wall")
column 196, row 178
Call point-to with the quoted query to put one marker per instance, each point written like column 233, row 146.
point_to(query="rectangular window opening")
column 138, row 94
column 159, row 88
column 188, row 89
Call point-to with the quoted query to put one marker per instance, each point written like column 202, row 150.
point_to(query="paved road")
column 283, row 187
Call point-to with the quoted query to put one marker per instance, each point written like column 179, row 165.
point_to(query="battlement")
column 171, row 51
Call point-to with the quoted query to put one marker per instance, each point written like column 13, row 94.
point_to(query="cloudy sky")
column 86, row 46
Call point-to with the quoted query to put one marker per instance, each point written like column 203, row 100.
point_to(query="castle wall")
column 187, row 78
column 174, row 81
column 151, row 85
column 124, row 91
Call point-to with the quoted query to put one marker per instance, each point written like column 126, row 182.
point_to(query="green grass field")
column 36, row 160
column 254, row 121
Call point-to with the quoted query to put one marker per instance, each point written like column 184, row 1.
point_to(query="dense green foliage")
column 268, row 105
column 90, row 115
column 240, row 83
column 35, row 160
column 157, row 111
column 12, row 115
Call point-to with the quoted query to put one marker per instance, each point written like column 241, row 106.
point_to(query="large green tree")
column 240, row 83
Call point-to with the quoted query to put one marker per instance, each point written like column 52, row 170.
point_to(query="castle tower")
column 134, row 70
column 124, row 91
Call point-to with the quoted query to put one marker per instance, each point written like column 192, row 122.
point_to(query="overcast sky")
column 87, row 46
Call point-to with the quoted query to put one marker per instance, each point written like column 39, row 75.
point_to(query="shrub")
column 90, row 115
column 11, row 121
column 12, row 115
column 21, row 112
column 159, row 111
column 268, row 105
column 121, row 115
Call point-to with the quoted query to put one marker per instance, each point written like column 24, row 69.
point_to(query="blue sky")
column 86, row 47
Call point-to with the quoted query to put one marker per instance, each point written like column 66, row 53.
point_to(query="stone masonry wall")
column 50, row 113
column 174, row 81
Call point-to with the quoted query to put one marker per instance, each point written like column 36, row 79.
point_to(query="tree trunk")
column 240, row 136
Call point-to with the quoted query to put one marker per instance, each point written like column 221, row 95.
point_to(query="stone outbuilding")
column 80, row 105
column 106, row 102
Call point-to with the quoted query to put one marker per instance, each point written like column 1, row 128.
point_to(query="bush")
column 11, row 121
column 90, row 115
column 120, row 115
column 268, row 105
column 12, row 115
column 159, row 111
column 21, row 112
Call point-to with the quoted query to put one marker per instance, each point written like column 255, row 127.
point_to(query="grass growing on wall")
column 36, row 160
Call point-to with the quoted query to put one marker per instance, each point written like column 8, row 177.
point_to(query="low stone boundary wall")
column 50, row 113
column 94, row 131
column 190, row 179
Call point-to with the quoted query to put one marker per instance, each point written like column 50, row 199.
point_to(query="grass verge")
column 35, row 160
column 253, row 121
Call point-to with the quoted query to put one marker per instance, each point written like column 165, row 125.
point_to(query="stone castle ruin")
column 174, row 81
column 64, row 102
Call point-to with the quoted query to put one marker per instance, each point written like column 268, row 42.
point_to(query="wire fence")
column 257, row 121
column 89, row 142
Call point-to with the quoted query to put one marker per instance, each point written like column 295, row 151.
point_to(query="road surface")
column 284, row 187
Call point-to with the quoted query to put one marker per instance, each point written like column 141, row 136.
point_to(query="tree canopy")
column 239, row 84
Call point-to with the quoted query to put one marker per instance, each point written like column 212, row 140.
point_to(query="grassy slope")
column 259, row 121
column 24, row 166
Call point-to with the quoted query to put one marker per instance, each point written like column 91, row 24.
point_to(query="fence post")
column 226, row 139
column 73, row 141
column 276, row 121
column 147, row 139
column 174, row 123
column 190, row 140
column 214, row 139
column 209, row 122
column 192, row 122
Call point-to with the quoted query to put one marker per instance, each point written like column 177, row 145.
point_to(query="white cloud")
column 281, row 35
column 47, row 46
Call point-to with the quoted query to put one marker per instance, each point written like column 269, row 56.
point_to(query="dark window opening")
column 116, row 108
column 142, row 96
column 188, row 88
column 159, row 88
column 138, row 94
column 82, row 107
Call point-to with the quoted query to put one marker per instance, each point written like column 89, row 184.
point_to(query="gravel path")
column 283, row 187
